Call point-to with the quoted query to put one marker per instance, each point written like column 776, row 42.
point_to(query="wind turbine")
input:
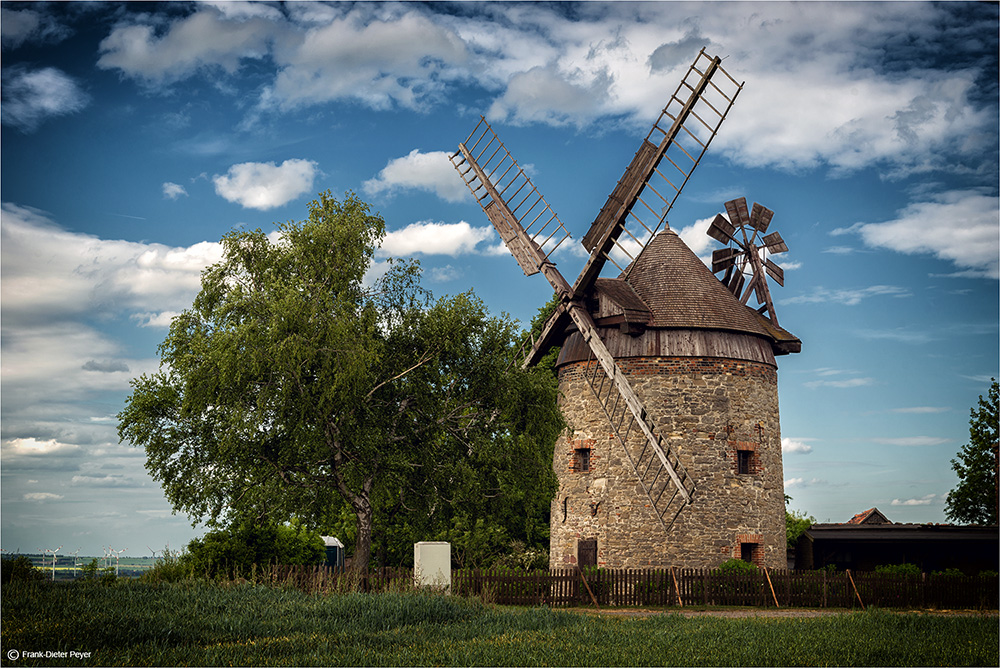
column 53, row 553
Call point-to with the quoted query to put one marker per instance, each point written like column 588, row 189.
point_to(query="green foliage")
column 950, row 573
column 796, row 524
column 520, row 556
column 92, row 573
column 974, row 499
column 291, row 389
column 202, row 624
column 170, row 567
column 730, row 566
column 239, row 551
column 19, row 569
column 548, row 360
column 898, row 569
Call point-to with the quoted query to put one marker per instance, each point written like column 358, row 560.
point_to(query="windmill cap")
column 682, row 293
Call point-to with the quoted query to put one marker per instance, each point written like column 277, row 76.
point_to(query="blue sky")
column 135, row 136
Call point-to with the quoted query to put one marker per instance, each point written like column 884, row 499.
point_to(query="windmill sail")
column 524, row 220
column 661, row 167
column 664, row 480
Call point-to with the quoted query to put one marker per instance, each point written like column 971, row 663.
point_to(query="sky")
column 135, row 136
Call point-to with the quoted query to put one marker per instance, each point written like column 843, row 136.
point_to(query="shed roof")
column 870, row 516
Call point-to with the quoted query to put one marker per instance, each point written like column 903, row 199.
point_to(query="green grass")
column 194, row 623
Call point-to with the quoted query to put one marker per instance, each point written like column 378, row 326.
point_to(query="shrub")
column 524, row 558
column 169, row 568
column 19, row 569
column 898, row 569
column 733, row 566
column 240, row 551
column 93, row 573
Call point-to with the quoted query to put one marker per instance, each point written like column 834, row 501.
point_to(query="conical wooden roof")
column 682, row 293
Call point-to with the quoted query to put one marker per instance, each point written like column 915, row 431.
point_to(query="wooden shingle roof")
column 681, row 293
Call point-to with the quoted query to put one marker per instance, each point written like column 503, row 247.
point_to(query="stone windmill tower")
column 668, row 378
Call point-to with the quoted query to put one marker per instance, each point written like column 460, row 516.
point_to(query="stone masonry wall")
column 708, row 410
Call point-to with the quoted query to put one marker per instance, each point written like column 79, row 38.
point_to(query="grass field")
column 196, row 623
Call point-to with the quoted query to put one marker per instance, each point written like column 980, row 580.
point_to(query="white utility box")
column 432, row 564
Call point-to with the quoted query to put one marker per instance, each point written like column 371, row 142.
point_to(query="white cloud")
column 59, row 292
column 42, row 496
column 802, row 482
column 445, row 273
column 962, row 227
column 379, row 58
column 847, row 296
column 240, row 10
column 204, row 39
column 606, row 65
column 432, row 172
column 922, row 410
column 429, row 238
column 841, row 384
column 173, row 190
column 105, row 480
column 20, row 26
column 51, row 274
column 913, row 441
column 696, row 237
column 922, row 501
column 789, row 446
column 900, row 335
column 161, row 319
column 265, row 185
column 32, row 447
column 30, row 97
column 545, row 95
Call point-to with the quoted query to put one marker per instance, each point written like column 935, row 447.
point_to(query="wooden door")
column 586, row 552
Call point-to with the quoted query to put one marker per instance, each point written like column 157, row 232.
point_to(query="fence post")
column 592, row 597
column 772, row 588
column 680, row 599
column 923, row 590
column 848, row 571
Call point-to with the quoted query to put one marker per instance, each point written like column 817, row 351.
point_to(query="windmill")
column 747, row 253
column 604, row 325
column 532, row 231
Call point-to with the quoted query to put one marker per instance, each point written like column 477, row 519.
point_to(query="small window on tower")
column 581, row 459
column 748, row 552
column 744, row 459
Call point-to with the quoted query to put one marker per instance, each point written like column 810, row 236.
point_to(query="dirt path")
column 770, row 613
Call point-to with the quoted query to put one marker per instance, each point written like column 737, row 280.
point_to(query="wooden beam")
column 589, row 332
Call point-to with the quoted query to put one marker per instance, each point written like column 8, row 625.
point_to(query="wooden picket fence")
column 673, row 587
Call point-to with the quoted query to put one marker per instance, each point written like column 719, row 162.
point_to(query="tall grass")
column 202, row 624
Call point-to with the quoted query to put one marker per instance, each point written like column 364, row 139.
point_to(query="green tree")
column 796, row 524
column 974, row 499
column 234, row 551
column 290, row 388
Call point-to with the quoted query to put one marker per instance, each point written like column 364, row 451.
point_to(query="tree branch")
column 426, row 357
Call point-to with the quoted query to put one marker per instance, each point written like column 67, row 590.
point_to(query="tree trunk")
column 363, row 546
